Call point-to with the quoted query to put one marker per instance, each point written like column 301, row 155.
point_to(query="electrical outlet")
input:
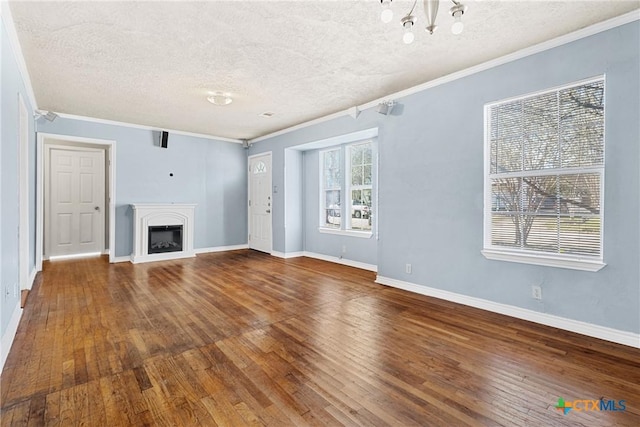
column 407, row 268
column 536, row 292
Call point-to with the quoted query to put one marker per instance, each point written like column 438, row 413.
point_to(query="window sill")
column 352, row 233
column 545, row 260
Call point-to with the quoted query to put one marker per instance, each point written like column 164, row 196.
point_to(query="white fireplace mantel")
column 154, row 214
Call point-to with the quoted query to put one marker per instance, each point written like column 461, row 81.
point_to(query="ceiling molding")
column 523, row 53
column 145, row 127
column 14, row 42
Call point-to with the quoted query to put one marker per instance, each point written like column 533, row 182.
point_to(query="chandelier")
column 430, row 11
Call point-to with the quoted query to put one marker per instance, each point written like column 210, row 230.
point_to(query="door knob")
column 97, row 208
column 268, row 210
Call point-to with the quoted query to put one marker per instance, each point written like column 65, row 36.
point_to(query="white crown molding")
column 10, row 334
column 221, row 249
column 14, row 42
column 523, row 53
column 301, row 126
column 596, row 331
column 145, row 127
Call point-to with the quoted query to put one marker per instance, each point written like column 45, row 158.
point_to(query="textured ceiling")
column 153, row 63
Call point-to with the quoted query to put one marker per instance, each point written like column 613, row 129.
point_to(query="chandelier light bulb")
column 387, row 14
column 456, row 12
column 407, row 24
column 457, row 26
column 408, row 37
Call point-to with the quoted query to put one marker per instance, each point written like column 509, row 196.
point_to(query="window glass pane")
column 579, row 194
column 541, row 146
column 580, row 235
column 582, row 123
column 539, row 194
column 357, row 175
column 332, row 216
column 505, row 194
column 509, row 137
column 361, row 209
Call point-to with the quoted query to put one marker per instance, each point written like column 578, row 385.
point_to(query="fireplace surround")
column 162, row 231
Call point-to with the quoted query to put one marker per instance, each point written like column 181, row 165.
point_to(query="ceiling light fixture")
column 267, row 114
column 430, row 12
column 219, row 98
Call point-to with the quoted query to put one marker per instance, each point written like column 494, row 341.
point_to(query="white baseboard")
column 596, row 331
column 117, row 259
column 32, row 277
column 10, row 334
column 287, row 254
column 221, row 249
column 343, row 261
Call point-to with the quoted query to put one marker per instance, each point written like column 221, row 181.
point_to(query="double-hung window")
column 544, row 177
column 346, row 193
column 330, row 161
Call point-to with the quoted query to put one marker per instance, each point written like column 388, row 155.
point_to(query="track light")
column 48, row 115
column 385, row 107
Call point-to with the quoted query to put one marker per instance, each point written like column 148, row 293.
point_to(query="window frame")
column 324, row 190
column 345, row 190
column 511, row 254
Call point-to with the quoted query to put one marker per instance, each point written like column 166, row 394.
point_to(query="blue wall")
column 12, row 85
column 431, row 185
column 207, row 172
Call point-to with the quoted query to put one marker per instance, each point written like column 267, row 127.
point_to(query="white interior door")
column 76, row 202
column 260, row 203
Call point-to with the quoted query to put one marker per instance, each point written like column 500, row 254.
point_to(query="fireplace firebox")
column 165, row 238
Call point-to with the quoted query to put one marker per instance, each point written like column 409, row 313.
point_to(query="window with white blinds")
column 544, row 177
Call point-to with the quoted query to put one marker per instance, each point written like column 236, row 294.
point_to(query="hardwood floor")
column 242, row 338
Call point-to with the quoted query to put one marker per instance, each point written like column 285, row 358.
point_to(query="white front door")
column 260, row 205
column 76, row 197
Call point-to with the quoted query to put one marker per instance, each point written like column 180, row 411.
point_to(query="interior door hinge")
column 249, row 202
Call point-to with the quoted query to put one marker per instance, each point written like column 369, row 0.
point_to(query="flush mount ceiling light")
column 430, row 12
column 267, row 114
column 219, row 98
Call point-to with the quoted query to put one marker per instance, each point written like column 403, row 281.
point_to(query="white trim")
column 14, row 42
column 544, row 259
column 596, row 331
column 145, row 127
column 343, row 261
column 109, row 147
column 523, row 53
column 338, row 140
column 221, row 249
column 350, row 233
column 32, row 277
column 117, row 259
column 287, row 255
column 23, row 194
column 10, row 334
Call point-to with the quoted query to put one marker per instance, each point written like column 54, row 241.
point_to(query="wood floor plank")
column 243, row 338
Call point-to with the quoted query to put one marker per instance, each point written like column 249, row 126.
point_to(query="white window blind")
column 545, row 173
